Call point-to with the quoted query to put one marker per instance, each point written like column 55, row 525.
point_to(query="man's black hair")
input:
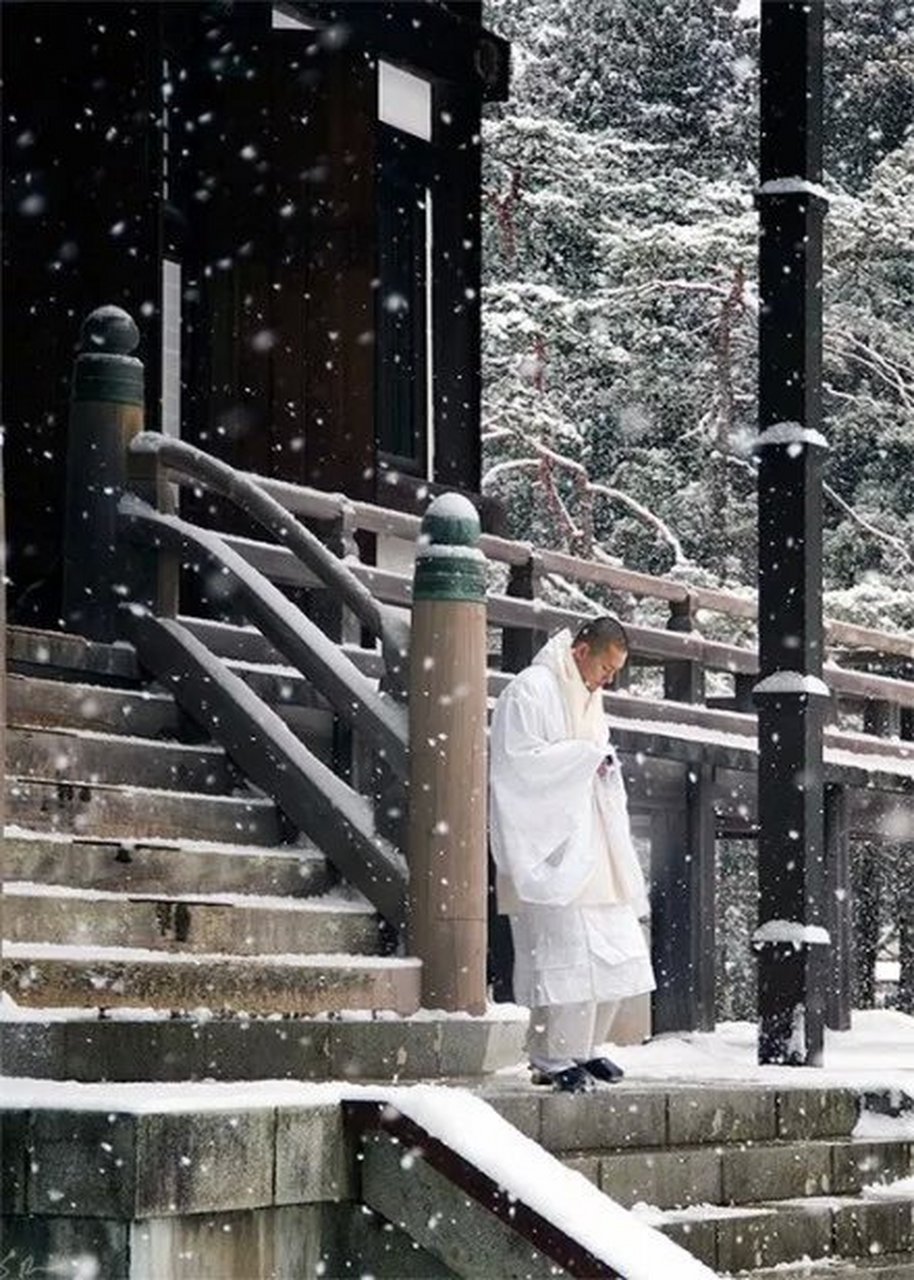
column 602, row 632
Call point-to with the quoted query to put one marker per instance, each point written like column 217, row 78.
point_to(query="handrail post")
column 106, row 411
column 683, row 678
column 519, row 645
column 447, row 805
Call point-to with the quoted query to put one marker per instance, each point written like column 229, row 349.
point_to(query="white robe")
column 569, row 875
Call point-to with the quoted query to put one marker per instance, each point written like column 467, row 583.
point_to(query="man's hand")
column 606, row 764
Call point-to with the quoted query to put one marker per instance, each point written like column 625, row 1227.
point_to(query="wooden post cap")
column 449, row 564
column 104, row 369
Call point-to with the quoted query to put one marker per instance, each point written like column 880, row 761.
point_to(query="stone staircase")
column 161, row 921
column 752, row 1180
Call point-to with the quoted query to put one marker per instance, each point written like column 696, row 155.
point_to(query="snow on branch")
column 871, row 528
column 549, row 460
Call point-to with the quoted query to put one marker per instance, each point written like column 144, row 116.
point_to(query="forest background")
column 620, row 301
column 620, row 313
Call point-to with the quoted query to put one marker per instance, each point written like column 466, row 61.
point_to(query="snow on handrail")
column 319, row 659
column 373, row 518
column 251, row 495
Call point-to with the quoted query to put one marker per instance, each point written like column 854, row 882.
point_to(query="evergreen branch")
column 648, row 516
column 882, row 534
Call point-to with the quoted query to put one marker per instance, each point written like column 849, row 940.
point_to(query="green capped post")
column 106, row 412
column 447, row 798
column 449, row 564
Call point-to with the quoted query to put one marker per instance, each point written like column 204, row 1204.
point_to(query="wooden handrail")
column 376, row 519
column 184, row 463
column 650, row 645
column 363, row 1118
column 353, row 697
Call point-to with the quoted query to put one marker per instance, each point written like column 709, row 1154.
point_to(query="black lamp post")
column 790, row 695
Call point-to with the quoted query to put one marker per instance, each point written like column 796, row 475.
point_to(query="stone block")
column 587, row 1166
column 204, row 1162
column 860, row 1164
column 456, row 1229
column 268, row 1242
column 476, row 1047
column 364, row 1244
column 14, row 1161
column 384, row 1050
column 603, row 1120
column 667, row 1179
column 871, row 1228
column 816, row 1113
column 763, row 1172
column 42, row 1245
column 118, row 1050
column 721, row 1115
column 82, row 1164
column 767, row 1238
column 32, row 1049
column 520, row 1108
column 314, row 1161
column 242, row 1049
column 697, row 1236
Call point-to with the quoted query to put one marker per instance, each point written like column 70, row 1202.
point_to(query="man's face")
column 599, row 667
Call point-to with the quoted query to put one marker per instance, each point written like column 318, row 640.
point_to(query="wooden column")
column 791, row 696
column 446, row 925
column 867, row 892
column 838, row 909
column 683, row 891
column 106, row 411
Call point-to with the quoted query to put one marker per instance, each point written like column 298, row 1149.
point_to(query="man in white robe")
column 568, row 874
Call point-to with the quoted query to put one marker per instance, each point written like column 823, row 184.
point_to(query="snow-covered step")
column 138, row 812
column 746, row 1239
column 639, row 1115
column 50, row 975
column 899, row 1267
column 62, row 655
column 166, row 866
column 742, row 1173
column 240, row 924
column 84, row 755
column 147, row 1044
column 143, row 713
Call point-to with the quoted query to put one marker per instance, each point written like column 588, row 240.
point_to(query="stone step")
column 96, row 810
column 240, row 924
column 123, row 1047
column 730, row 1174
column 142, row 713
column 83, row 755
column 633, row 1115
column 164, row 866
column 49, row 975
column 60, row 655
column 789, row 1231
column 901, row 1267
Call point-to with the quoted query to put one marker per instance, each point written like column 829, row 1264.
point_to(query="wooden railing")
column 340, row 819
column 884, row 703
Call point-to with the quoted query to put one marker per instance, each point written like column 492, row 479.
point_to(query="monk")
column 569, row 878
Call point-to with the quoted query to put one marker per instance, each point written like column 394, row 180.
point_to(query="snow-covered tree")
column 620, row 303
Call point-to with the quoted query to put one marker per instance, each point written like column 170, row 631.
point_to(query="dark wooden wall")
column 80, row 229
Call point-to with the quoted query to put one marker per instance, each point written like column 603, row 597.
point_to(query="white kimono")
column 569, row 876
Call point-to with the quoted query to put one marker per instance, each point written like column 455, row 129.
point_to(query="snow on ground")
column 877, row 1053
